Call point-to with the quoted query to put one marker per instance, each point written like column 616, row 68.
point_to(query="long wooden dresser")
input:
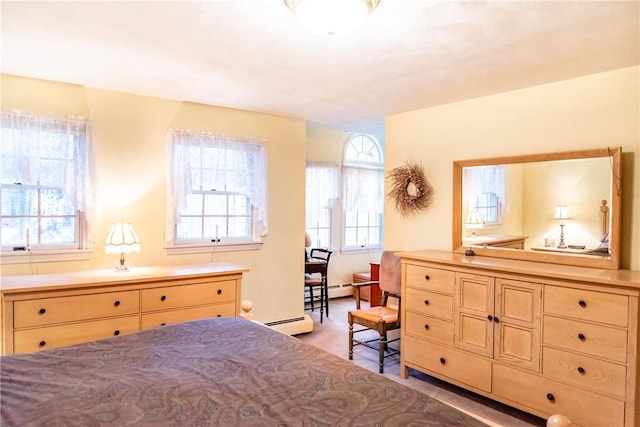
column 544, row 338
column 52, row 310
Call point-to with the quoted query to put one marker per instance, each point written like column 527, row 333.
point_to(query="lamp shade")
column 332, row 17
column 307, row 240
column 122, row 239
column 473, row 221
column 562, row 212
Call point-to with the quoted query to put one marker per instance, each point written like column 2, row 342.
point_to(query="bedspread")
column 211, row 372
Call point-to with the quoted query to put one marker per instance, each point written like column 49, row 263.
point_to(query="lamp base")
column 121, row 269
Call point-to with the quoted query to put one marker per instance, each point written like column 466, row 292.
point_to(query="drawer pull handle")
column 490, row 318
column 495, row 319
column 163, row 297
column 426, row 326
column 116, row 304
column 443, row 360
column 219, row 291
column 551, row 397
column 219, row 315
column 42, row 343
column 426, row 302
column 581, row 337
column 581, row 369
column 42, row 311
column 426, row 277
column 582, row 304
column 163, row 324
column 116, row 333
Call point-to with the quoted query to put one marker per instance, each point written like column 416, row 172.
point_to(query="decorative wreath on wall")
column 410, row 191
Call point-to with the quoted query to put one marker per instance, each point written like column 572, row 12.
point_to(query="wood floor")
column 332, row 336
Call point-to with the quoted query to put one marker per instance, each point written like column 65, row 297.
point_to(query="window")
column 44, row 182
column 363, row 193
column 484, row 192
column 322, row 190
column 216, row 189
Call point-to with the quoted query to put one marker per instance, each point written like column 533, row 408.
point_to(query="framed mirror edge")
column 612, row 262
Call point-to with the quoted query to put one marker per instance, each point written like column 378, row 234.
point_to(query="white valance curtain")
column 363, row 189
column 322, row 187
column 49, row 151
column 483, row 179
column 205, row 161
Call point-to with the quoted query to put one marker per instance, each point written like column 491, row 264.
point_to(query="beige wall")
column 131, row 158
column 595, row 111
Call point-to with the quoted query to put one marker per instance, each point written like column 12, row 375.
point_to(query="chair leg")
column 321, row 302
column 311, row 298
column 325, row 287
column 350, row 337
column 383, row 346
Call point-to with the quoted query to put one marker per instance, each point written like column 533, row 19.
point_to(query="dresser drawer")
column 583, row 371
column 447, row 362
column 152, row 320
column 171, row 297
column 587, row 305
column 597, row 340
column 429, row 303
column 28, row 340
column 549, row 397
column 429, row 328
column 422, row 277
column 49, row 311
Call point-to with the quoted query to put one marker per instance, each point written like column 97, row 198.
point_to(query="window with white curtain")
column 484, row 192
column 363, row 193
column 217, row 189
column 45, row 182
column 322, row 191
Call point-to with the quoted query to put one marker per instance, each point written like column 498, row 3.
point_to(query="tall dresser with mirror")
column 550, row 325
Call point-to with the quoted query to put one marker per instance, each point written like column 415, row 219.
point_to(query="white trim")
column 212, row 248
column 25, row 257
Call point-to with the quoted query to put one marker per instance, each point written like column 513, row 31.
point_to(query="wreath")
column 409, row 189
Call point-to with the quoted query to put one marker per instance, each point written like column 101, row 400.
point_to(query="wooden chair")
column 383, row 318
column 315, row 277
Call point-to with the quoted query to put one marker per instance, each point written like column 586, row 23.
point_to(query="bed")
column 213, row 372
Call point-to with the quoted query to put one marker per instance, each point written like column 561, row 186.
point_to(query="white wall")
column 595, row 111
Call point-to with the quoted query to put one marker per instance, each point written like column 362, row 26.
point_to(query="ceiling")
column 254, row 55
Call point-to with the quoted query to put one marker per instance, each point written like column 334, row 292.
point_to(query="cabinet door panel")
column 473, row 304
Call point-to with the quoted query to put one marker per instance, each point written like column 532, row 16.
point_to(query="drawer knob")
column 426, row 302
column 219, row 315
column 219, row 291
column 116, row 333
column 582, row 304
column 426, row 277
column 495, row 319
column 490, row 318
column 163, row 297
column 581, row 337
column 443, row 360
column 42, row 343
column 426, row 326
column 581, row 369
column 42, row 311
column 551, row 397
column 116, row 304
column 163, row 324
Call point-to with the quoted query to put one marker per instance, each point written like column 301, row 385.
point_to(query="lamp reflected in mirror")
column 472, row 222
column 562, row 214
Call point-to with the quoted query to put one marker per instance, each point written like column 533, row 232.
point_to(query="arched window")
column 363, row 192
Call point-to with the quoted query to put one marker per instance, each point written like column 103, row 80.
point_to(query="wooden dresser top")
column 626, row 278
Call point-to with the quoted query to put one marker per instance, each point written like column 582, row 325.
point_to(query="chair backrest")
column 319, row 254
column 390, row 273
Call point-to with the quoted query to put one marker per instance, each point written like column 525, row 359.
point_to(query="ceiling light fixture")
column 332, row 17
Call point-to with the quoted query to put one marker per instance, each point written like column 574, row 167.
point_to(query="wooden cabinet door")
column 473, row 309
column 517, row 320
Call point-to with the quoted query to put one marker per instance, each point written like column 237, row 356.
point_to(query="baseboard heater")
column 293, row 326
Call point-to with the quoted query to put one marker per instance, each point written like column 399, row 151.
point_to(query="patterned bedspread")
column 212, row 372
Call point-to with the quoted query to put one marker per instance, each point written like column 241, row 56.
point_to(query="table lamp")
column 562, row 213
column 472, row 222
column 122, row 239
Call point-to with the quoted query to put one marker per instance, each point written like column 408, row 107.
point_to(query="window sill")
column 361, row 250
column 23, row 257
column 212, row 248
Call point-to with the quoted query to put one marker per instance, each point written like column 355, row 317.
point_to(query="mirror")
column 561, row 208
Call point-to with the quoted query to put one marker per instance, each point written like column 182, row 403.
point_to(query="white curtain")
column 201, row 160
column 322, row 187
column 483, row 179
column 50, row 151
column 363, row 189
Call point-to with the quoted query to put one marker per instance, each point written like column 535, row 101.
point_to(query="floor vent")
column 281, row 322
column 293, row 326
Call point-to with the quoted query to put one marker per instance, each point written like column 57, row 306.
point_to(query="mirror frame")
column 611, row 262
